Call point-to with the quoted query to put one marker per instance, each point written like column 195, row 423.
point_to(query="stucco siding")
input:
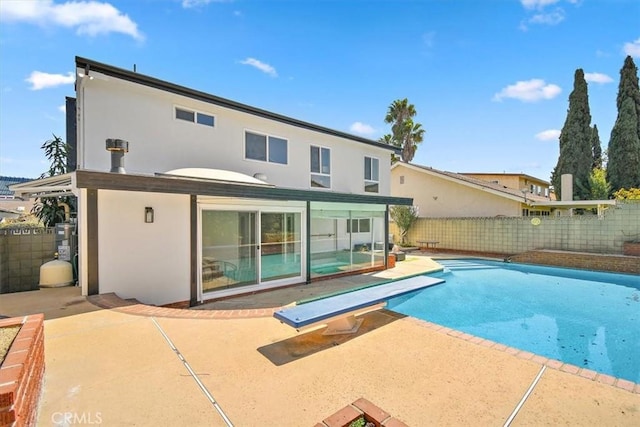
column 438, row 197
column 112, row 108
column 147, row 261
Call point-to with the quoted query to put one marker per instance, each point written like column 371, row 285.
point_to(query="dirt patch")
column 7, row 334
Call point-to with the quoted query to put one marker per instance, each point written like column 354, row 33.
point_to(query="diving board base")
column 346, row 325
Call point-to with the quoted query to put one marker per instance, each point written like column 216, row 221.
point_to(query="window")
column 320, row 167
column 371, row 175
column 401, row 179
column 265, row 148
column 195, row 117
column 362, row 225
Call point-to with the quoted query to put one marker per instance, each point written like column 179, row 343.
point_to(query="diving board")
column 339, row 311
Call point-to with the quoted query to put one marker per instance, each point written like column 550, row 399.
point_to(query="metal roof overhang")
column 163, row 183
column 54, row 186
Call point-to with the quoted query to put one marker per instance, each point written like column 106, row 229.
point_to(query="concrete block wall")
column 509, row 235
column 22, row 252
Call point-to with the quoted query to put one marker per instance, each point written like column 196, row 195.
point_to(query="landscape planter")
column 22, row 372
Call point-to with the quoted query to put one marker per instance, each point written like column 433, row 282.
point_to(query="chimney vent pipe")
column 117, row 147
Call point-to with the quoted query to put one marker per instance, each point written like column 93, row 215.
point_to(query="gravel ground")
column 7, row 334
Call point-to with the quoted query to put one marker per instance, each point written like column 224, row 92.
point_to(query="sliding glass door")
column 229, row 249
column 280, row 255
column 245, row 248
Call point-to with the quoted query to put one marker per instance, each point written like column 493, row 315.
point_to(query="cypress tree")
column 596, row 149
column 623, row 167
column 576, row 151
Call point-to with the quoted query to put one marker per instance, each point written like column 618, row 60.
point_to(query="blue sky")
column 490, row 79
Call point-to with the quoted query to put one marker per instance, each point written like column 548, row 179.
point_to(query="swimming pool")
column 588, row 319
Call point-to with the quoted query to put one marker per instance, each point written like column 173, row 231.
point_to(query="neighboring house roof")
column 522, row 175
column 90, row 65
column 6, row 181
column 494, row 188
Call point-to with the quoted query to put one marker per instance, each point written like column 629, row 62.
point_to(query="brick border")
column 361, row 408
column 114, row 302
column 22, row 372
column 558, row 365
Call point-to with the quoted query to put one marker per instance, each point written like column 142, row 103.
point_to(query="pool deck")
column 132, row 364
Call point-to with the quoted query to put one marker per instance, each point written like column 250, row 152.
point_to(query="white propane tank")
column 56, row 273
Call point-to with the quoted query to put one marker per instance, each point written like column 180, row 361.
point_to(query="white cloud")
column 62, row 108
column 40, row 80
column 537, row 4
column 597, row 78
column 361, row 128
column 187, row 4
column 265, row 68
column 89, row 18
column 548, row 135
column 529, row 91
column 551, row 18
column 632, row 48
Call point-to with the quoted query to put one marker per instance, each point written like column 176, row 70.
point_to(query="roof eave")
column 134, row 77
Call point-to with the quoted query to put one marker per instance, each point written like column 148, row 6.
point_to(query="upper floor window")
column 371, row 175
column 320, row 167
column 265, row 148
column 195, row 117
column 361, row 225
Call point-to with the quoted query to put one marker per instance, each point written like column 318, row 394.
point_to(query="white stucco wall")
column 438, row 197
column 149, row 262
column 113, row 108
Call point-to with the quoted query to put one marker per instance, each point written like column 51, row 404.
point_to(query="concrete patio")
column 117, row 367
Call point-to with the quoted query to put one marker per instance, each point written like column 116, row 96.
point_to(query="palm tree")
column 405, row 134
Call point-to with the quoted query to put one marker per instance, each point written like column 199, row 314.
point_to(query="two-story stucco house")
column 209, row 197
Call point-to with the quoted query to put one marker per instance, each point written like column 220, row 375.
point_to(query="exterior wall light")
column 148, row 215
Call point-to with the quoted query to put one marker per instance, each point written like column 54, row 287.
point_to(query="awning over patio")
column 69, row 183
column 54, row 186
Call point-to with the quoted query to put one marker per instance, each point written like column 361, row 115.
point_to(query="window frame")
column 356, row 221
column 320, row 164
column 196, row 115
column 267, row 137
column 370, row 180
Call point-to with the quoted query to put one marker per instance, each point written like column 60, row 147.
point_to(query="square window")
column 255, row 146
column 277, row 150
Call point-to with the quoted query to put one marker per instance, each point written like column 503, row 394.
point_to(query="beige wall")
column 590, row 233
column 438, row 197
column 516, row 182
column 150, row 262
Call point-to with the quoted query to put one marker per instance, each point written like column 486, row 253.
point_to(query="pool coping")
column 557, row 365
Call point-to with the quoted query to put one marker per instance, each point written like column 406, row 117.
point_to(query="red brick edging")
column 22, row 372
column 361, row 408
column 114, row 302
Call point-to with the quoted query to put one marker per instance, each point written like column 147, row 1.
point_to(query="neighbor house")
column 184, row 196
column 516, row 181
column 10, row 205
column 442, row 194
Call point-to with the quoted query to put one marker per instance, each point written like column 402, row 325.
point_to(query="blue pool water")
column 584, row 318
